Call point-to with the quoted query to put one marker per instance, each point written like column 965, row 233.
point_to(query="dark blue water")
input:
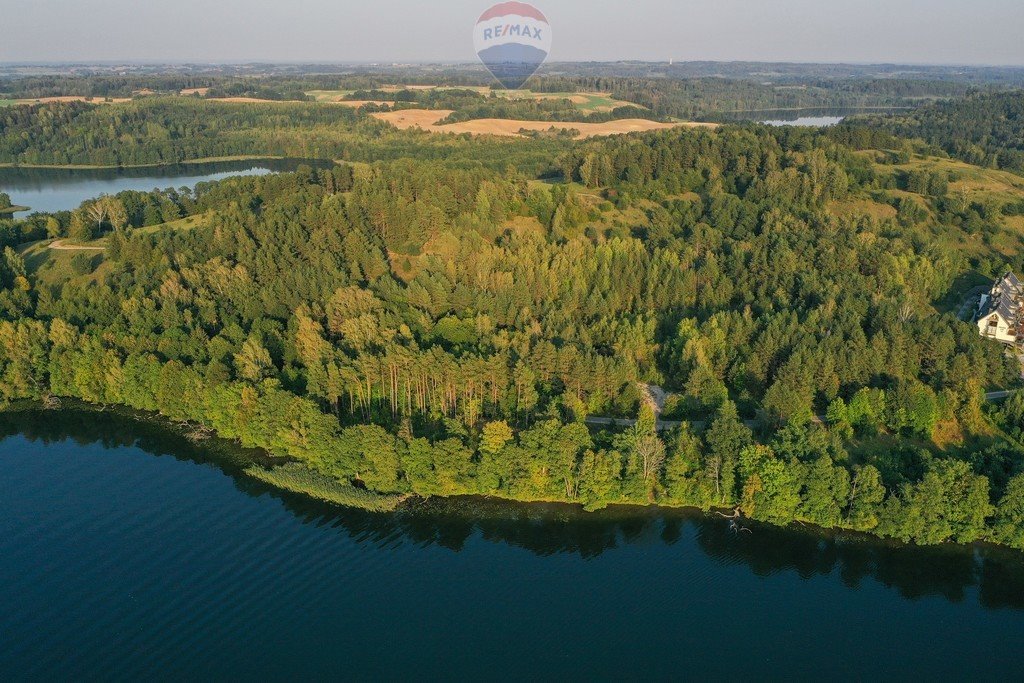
column 50, row 190
column 118, row 563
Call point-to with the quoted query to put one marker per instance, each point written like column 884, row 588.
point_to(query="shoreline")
column 865, row 107
column 108, row 167
column 300, row 479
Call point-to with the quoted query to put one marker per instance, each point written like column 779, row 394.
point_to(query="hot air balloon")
column 512, row 39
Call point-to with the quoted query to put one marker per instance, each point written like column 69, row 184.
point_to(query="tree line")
column 440, row 327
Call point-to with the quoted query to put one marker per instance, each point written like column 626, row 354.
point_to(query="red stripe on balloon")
column 519, row 8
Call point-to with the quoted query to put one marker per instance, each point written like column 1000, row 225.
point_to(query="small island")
column 7, row 208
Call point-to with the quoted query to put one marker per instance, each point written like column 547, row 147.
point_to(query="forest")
column 685, row 90
column 439, row 315
column 168, row 130
column 983, row 129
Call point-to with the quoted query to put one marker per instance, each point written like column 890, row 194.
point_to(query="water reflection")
column 63, row 189
column 808, row 116
column 956, row 574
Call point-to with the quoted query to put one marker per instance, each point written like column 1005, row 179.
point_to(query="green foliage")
column 298, row 478
column 838, row 418
column 83, row 264
column 726, row 439
column 949, row 503
column 983, row 129
column 1009, row 519
column 826, row 493
column 866, row 495
column 687, row 480
column 771, row 489
column 167, row 130
column 443, row 326
column 495, row 436
column 913, row 408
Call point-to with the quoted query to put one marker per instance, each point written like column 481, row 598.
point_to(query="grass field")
column 54, row 266
column 427, row 119
column 1003, row 234
column 974, row 180
column 187, row 223
column 586, row 102
column 862, row 207
column 68, row 98
column 51, row 261
column 328, row 95
column 338, row 97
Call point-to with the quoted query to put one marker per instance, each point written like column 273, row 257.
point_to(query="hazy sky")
column 912, row 31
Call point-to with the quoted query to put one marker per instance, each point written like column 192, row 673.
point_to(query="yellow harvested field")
column 72, row 98
column 427, row 119
column 413, row 118
column 257, row 100
column 587, row 130
column 396, row 88
column 588, row 102
column 195, row 91
column 338, row 97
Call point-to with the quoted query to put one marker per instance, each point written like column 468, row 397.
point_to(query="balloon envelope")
column 512, row 39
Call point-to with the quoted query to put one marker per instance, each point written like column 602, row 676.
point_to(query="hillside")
column 983, row 129
column 436, row 328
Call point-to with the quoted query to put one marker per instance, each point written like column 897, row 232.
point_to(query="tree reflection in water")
column 551, row 529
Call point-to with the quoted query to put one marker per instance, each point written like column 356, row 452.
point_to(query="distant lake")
column 127, row 553
column 815, row 121
column 811, row 116
column 46, row 189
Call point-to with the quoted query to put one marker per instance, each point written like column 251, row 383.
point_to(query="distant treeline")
column 683, row 96
column 695, row 98
column 174, row 129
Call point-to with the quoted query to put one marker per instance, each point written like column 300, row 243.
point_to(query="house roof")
column 995, row 309
column 1006, row 307
column 1004, row 298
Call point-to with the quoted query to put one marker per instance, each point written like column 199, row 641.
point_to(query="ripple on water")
column 118, row 564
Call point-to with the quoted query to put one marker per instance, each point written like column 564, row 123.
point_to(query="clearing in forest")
column 427, row 119
column 587, row 102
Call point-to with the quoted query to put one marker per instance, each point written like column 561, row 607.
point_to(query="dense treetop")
column 445, row 323
column 985, row 130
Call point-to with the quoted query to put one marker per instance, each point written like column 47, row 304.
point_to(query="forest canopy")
column 437, row 315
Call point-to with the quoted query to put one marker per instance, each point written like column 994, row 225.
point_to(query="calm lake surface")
column 128, row 553
column 46, row 189
column 819, row 117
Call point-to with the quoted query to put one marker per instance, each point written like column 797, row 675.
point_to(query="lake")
column 127, row 552
column 58, row 189
column 818, row 117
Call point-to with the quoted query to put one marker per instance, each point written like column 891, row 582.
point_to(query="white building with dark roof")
column 999, row 313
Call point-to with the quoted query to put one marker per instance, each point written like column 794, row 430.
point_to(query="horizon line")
column 427, row 62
